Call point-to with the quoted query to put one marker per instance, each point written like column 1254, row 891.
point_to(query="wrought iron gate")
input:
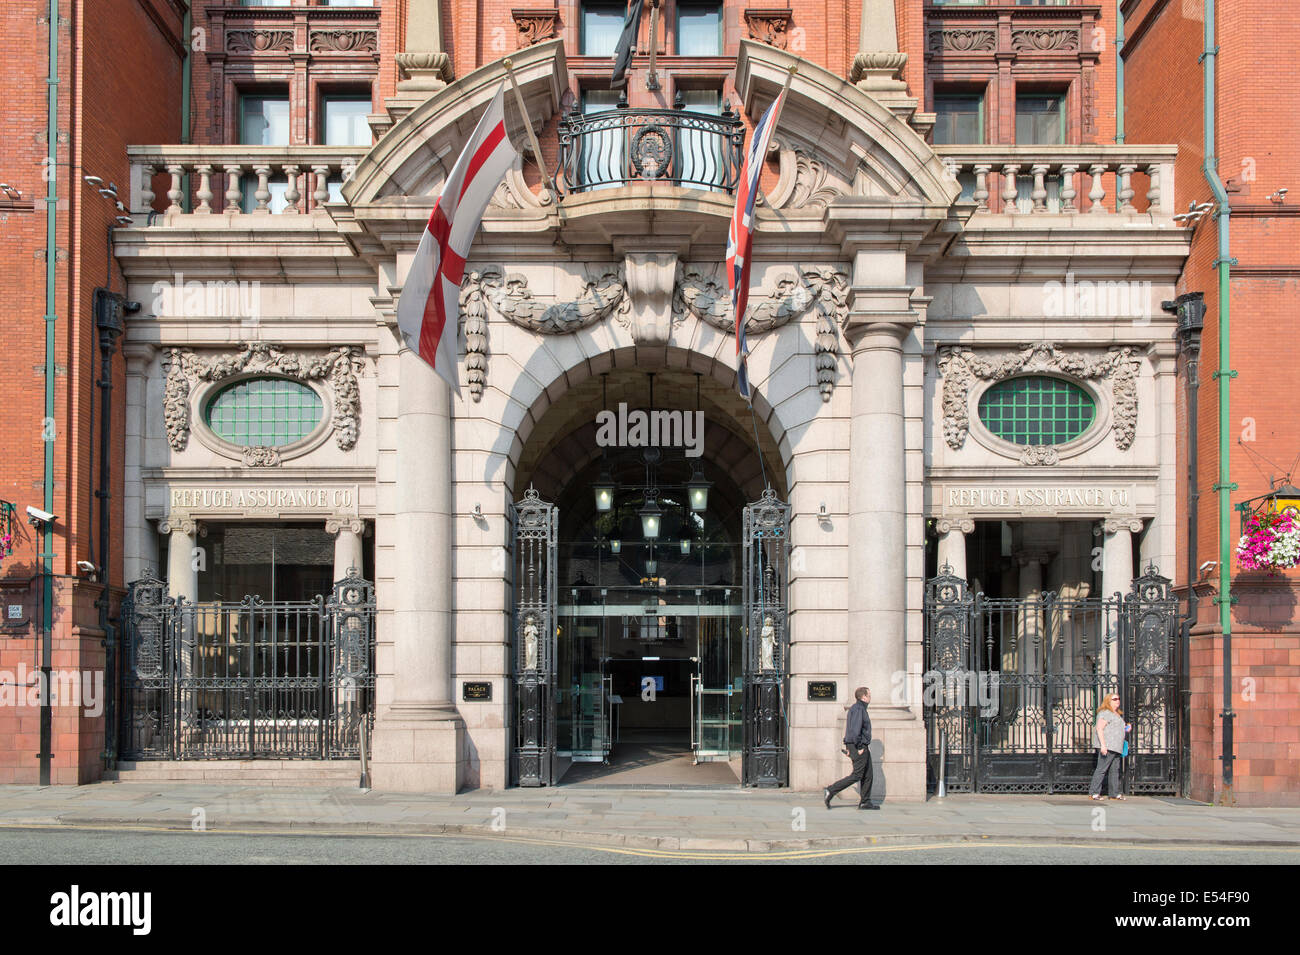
column 1011, row 686
column 247, row 679
column 536, row 528
column 766, row 542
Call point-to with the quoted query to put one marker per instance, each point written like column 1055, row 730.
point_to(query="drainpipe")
column 1224, row 375
column 187, row 31
column 51, row 257
column 1119, row 71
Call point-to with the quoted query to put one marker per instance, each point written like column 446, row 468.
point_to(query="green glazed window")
column 1037, row 410
column 264, row 412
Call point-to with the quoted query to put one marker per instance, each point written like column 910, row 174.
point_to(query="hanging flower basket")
column 6, row 546
column 1271, row 542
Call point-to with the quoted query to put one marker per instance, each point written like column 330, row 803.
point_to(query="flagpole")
column 651, row 79
column 532, row 136
column 776, row 119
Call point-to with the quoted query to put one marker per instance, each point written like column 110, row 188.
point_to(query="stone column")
column 877, row 531
column 347, row 544
column 1116, row 576
column 183, row 578
column 182, row 569
column 952, row 544
column 1031, row 639
column 419, row 738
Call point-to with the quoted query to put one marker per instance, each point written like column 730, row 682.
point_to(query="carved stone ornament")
column 960, row 367
column 425, row 69
column 819, row 287
column 946, row 525
column 1040, row 40
column 805, row 180
column 259, row 41
column 261, row 457
column 1038, row 454
column 343, row 41
column 1113, row 525
column 535, row 26
column 963, row 41
column 182, row 523
column 354, row 525
column 769, row 26
column 340, row 367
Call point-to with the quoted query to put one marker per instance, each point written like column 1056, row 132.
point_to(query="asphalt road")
column 76, row 846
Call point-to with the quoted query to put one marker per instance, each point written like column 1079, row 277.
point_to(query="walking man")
column 857, row 745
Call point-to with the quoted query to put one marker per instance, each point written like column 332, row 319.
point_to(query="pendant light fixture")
column 604, row 486
column 697, row 488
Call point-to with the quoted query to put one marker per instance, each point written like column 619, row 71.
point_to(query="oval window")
column 264, row 412
column 1037, row 410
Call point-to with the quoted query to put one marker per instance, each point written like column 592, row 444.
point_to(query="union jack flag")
column 740, row 234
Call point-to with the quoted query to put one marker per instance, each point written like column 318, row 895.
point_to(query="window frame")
column 1086, row 439
column 681, row 5
column 213, row 441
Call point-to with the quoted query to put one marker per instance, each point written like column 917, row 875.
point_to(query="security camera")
column 1208, row 566
column 86, row 567
column 36, row 516
column 93, row 181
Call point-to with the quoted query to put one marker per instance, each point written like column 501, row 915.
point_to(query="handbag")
column 1124, row 751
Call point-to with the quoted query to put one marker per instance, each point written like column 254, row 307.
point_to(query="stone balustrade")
column 1051, row 180
column 238, row 180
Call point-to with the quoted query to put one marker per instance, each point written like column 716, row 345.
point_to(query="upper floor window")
column 264, row 120
column 343, row 119
column 1040, row 119
column 959, row 118
column 699, row 28
column 1037, row 410
column 601, row 25
column 266, row 3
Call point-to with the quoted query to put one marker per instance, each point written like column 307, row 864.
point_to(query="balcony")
column 239, row 180
column 623, row 145
column 1050, row 180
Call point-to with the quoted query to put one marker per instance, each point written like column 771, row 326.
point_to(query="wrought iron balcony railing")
column 622, row 145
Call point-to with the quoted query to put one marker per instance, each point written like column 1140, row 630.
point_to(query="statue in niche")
column 530, row 642
column 767, row 645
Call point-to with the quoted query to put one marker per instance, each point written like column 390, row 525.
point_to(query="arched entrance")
column 651, row 566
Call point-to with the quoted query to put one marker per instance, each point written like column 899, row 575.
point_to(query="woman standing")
column 1109, row 737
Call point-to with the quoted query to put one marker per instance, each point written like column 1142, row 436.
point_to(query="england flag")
column 428, row 309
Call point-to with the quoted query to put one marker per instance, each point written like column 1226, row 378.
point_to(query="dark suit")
column 857, row 740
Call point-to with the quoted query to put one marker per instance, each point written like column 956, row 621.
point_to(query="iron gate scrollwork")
column 766, row 542
column 248, row 679
column 1012, row 686
column 536, row 530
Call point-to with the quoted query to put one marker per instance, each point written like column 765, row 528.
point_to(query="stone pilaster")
column 139, row 539
column 419, row 737
column 1031, row 640
column 424, row 66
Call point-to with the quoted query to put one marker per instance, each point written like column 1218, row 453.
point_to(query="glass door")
column 718, row 697
column 582, row 692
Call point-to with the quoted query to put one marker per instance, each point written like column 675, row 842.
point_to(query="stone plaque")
column 822, row 691
column 476, row 691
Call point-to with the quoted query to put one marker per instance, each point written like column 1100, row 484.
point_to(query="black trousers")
column 862, row 774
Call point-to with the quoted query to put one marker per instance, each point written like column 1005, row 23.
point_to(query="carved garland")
column 510, row 297
column 344, row 41
column 963, row 41
column 259, row 41
column 960, row 367
column 1044, row 41
column 821, row 287
column 340, row 366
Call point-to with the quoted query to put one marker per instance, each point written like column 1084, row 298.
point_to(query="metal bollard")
column 943, row 763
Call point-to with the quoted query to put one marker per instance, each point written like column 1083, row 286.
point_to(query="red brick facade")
column 119, row 83
column 1257, row 133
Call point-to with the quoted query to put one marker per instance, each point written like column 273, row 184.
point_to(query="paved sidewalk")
column 672, row 819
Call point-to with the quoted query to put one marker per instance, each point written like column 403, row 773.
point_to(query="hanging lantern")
column 697, row 490
column 604, row 490
column 686, row 546
column 615, row 545
column 651, row 518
